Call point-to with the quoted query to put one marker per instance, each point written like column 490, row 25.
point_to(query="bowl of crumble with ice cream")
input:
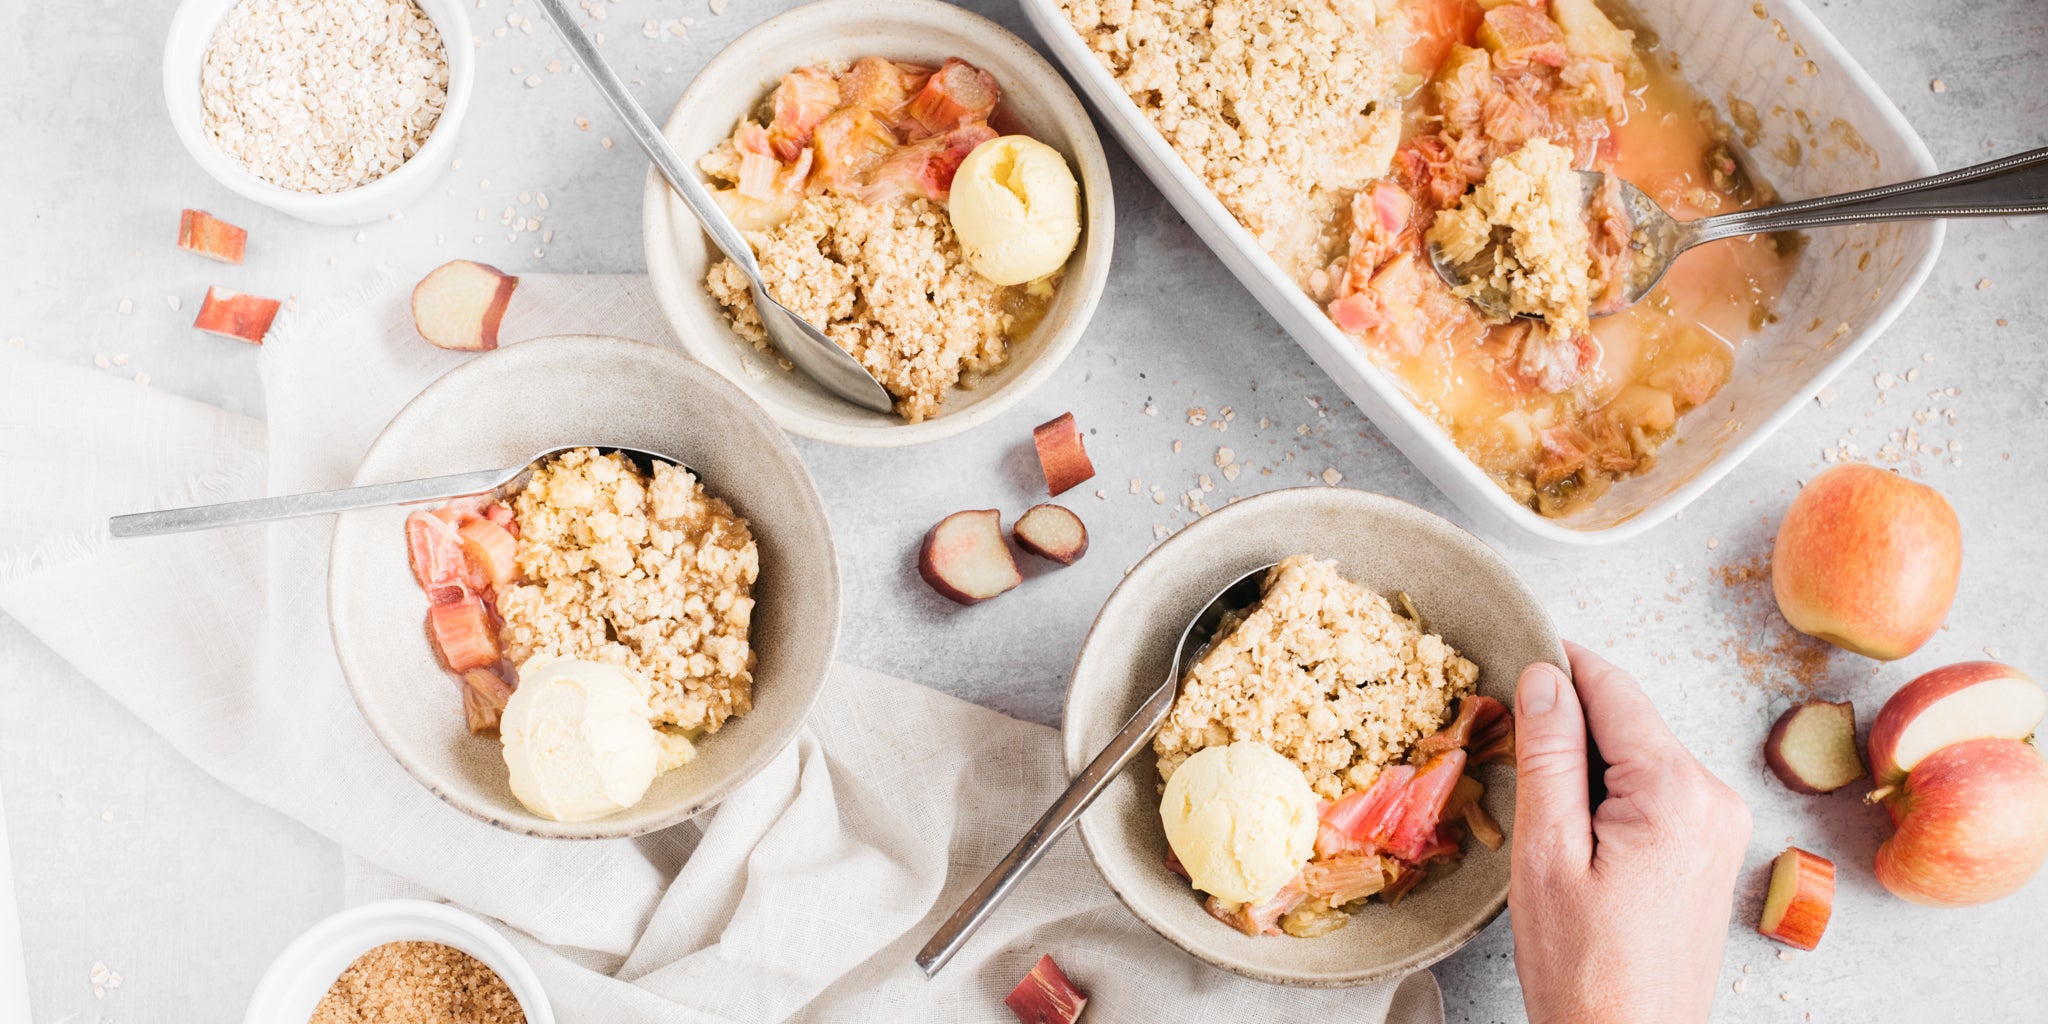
column 332, row 111
column 913, row 179
column 614, row 646
column 1331, row 798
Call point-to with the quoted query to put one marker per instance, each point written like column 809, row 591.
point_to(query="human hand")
column 1619, row 911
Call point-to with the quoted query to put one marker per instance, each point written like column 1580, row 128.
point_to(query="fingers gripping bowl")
column 602, row 391
column 1035, row 101
column 1469, row 596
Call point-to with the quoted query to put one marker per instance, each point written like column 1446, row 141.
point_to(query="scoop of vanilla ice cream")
column 578, row 740
column 1242, row 820
column 1016, row 209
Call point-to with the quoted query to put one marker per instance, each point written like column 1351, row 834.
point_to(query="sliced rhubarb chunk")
column 1341, row 880
column 1415, row 832
column 964, row 557
column 490, row 551
column 434, row 547
column 463, row 634
column 232, row 314
column 1061, row 454
column 484, row 693
column 1045, row 996
column 1800, row 899
column 1052, row 531
column 955, row 94
column 460, row 303
column 209, row 236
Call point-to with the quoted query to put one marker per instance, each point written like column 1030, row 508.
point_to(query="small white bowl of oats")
column 333, row 112
column 832, row 135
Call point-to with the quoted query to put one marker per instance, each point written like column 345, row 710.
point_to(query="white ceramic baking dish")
column 1775, row 56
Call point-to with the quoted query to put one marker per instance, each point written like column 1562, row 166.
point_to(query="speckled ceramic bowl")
column 1465, row 590
column 590, row 390
column 928, row 31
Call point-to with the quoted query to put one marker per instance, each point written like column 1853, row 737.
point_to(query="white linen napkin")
column 803, row 896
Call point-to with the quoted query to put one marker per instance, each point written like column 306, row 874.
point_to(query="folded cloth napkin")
column 803, row 896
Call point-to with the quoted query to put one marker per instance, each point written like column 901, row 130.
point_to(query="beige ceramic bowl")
column 736, row 81
column 1465, row 590
column 599, row 391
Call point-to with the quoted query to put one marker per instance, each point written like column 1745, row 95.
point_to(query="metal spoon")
column 803, row 344
column 498, row 483
column 1088, row 785
column 2010, row 186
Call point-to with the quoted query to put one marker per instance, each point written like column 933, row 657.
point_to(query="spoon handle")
column 1061, row 816
column 292, row 506
column 649, row 136
column 2005, row 187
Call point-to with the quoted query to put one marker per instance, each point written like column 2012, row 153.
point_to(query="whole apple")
column 1868, row 561
column 1972, row 824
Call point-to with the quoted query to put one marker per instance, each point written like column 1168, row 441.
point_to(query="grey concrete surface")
column 127, row 854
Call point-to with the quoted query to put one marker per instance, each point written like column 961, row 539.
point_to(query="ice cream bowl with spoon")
column 1464, row 592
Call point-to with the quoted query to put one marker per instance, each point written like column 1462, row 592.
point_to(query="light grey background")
column 126, row 854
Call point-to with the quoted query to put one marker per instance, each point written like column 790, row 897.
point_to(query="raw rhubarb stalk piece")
column 209, row 236
column 1061, row 454
column 1800, row 899
column 965, row 559
column 232, row 314
column 1045, row 996
column 1050, row 531
column 1812, row 748
column 459, row 304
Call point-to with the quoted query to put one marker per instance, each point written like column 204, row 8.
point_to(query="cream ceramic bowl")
column 1824, row 128
column 499, row 409
column 304, row 971
column 185, row 50
column 736, row 81
column 1463, row 588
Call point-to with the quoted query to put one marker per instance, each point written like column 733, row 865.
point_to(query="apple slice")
column 1800, row 899
column 1045, row 996
column 1966, row 701
column 209, row 236
column 1050, row 531
column 964, row 557
column 458, row 305
column 1061, row 454
column 1812, row 748
column 232, row 314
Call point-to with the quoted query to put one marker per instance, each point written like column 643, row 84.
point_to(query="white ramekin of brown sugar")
column 301, row 976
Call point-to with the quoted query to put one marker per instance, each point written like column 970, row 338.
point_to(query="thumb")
column 1552, row 815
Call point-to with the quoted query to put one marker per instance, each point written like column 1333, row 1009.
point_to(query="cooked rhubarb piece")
column 490, row 551
column 1483, row 827
column 434, row 547
column 1800, row 899
column 965, row 559
column 463, row 634
column 1519, row 35
column 232, row 314
column 209, row 236
column 1061, row 454
column 1414, row 838
column 1341, row 880
column 1050, row 531
column 1262, row 919
column 802, row 99
column 484, row 693
column 1045, row 996
column 459, row 304
column 924, row 169
column 1475, row 713
column 1812, row 748
column 955, row 94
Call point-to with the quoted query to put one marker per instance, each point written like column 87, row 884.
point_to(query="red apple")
column 1867, row 560
column 1800, row 900
column 1967, row 701
column 1972, row 824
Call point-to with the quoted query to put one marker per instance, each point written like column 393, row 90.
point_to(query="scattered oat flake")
column 1713, row 542
column 1158, row 496
column 606, row 142
column 1984, row 285
column 1136, row 485
column 532, row 81
column 126, row 307
column 583, row 124
column 540, row 199
column 101, row 361
column 1197, row 416
column 1885, row 380
column 1825, row 396
column 121, row 359
column 1938, row 85
column 548, row 237
column 1101, row 495
column 1176, row 446
column 1991, row 652
column 1332, row 477
column 1784, row 997
column 1740, row 985
column 1158, row 531
column 1150, row 409
column 1224, row 457
column 555, row 66
column 1784, row 954
column 1230, row 472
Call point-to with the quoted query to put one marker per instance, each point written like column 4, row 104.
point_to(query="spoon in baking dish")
column 2006, row 187
column 498, row 483
column 799, row 341
column 1088, row 785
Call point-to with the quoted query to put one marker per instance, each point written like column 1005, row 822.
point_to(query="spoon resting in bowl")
column 498, row 483
column 2011, row 186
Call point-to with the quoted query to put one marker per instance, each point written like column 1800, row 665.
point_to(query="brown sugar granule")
column 418, row 983
column 1771, row 655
